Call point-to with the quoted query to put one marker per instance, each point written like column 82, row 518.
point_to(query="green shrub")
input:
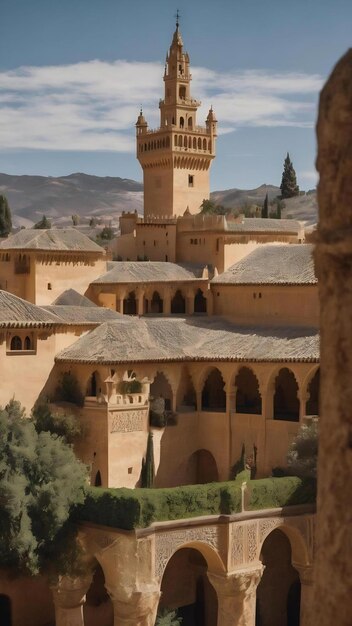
column 157, row 420
column 167, row 617
column 302, row 457
column 138, row 508
column 68, row 389
column 130, row 386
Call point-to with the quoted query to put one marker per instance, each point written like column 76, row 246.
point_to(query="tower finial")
column 177, row 16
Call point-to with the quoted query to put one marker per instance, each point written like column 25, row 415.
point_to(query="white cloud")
column 93, row 105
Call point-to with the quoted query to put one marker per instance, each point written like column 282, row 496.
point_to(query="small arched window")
column 16, row 343
column 182, row 122
column 190, row 123
column 27, row 343
column 182, row 92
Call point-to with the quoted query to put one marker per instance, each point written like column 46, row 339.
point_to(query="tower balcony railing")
column 185, row 101
column 201, row 130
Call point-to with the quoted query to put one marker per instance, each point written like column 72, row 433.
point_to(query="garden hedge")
column 138, row 508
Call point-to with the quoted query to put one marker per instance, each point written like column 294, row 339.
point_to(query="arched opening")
column 194, row 143
column 94, row 387
column 175, row 140
column 185, row 142
column 204, row 144
column 180, row 141
column 130, row 304
column 248, row 398
column 160, row 393
column 209, row 146
column 201, row 468
column 186, row 589
column 200, row 302
column 190, row 123
column 278, row 593
column 5, row 610
column 16, row 343
column 98, row 608
column 27, row 343
column 156, row 303
column 199, row 143
column 213, row 393
column 97, row 480
column 186, row 394
column 182, row 122
column 182, row 92
column 178, row 304
column 286, row 403
column 190, row 142
column 312, row 406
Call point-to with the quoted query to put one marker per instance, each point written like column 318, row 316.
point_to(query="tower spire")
column 177, row 16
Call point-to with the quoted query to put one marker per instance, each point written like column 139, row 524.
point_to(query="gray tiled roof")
column 258, row 224
column 149, row 271
column 82, row 315
column 272, row 264
column 73, row 298
column 187, row 339
column 65, row 239
column 16, row 312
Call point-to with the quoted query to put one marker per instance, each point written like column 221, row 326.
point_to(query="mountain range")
column 106, row 197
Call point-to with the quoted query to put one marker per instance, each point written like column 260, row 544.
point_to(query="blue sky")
column 74, row 72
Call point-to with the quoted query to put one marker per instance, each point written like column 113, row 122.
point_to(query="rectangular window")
column 190, row 180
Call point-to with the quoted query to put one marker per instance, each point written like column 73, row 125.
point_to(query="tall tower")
column 176, row 157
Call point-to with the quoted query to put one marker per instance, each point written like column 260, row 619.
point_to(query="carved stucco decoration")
column 129, row 421
column 168, row 542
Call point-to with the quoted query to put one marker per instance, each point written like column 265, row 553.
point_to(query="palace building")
column 203, row 331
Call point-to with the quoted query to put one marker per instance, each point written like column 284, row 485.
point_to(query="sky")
column 74, row 73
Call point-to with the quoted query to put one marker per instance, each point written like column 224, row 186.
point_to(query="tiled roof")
column 73, row 298
column 16, row 312
column 290, row 264
column 258, row 224
column 133, row 340
column 65, row 239
column 149, row 271
column 82, row 315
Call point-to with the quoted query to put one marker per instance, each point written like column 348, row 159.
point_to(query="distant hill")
column 59, row 198
column 106, row 197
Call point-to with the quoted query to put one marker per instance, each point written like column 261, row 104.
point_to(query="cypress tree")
column 148, row 468
column 44, row 224
column 5, row 217
column 289, row 187
column 265, row 209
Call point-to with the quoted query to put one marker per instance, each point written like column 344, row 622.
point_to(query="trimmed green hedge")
column 138, row 508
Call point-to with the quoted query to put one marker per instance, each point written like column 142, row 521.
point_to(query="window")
column 16, row 343
column 182, row 122
column 49, row 287
column 27, row 343
column 190, row 180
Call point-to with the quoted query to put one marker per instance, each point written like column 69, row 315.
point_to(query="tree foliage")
column 302, row 456
column 64, row 425
column 167, row 617
column 43, row 224
column 148, row 467
column 265, row 209
column 289, row 187
column 68, row 389
column 208, row 206
column 5, row 217
column 41, row 481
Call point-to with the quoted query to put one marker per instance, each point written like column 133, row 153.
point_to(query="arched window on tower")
column 182, row 122
column 190, row 123
column 194, row 143
column 175, row 140
column 182, row 92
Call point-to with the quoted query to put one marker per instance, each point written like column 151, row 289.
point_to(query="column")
column 140, row 301
column 189, row 302
column 138, row 608
column 237, row 596
column 69, row 596
column 302, row 396
column 306, row 576
column 167, row 302
column 119, row 299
